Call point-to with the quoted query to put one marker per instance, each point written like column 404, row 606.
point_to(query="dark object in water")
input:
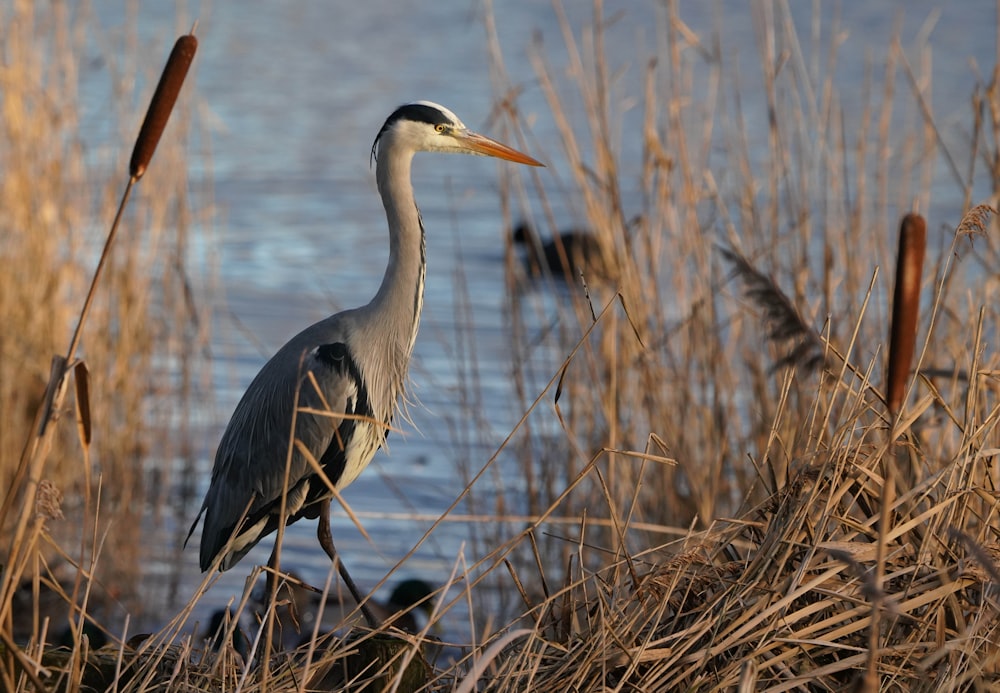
column 568, row 255
column 96, row 637
column 216, row 632
column 409, row 596
column 298, row 608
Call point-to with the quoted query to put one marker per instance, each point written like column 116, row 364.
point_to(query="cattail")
column 145, row 144
column 905, row 307
column 162, row 104
column 81, row 376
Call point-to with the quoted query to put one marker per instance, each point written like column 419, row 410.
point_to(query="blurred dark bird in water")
column 407, row 598
column 298, row 607
column 51, row 600
column 216, row 632
column 567, row 256
column 96, row 637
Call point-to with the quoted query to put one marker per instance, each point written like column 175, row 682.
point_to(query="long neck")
column 394, row 313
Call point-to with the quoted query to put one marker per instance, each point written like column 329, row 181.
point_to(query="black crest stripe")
column 417, row 112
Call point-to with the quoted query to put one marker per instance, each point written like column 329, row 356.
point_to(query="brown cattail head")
column 905, row 307
column 162, row 104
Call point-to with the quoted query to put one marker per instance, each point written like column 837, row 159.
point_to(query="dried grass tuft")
column 793, row 588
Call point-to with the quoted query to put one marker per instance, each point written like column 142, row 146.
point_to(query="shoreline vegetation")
column 739, row 468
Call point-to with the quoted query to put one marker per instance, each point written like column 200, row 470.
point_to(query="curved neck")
column 401, row 294
column 394, row 312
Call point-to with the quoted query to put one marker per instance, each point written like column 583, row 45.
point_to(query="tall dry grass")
column 736, row 371
column 141, row 344
column 684, row 364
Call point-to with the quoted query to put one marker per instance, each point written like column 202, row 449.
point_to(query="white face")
column 436, row 129
column 425, row 137
column 430, row 127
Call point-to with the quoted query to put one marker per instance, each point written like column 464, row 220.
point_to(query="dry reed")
column 76, row 497
column 836, row 564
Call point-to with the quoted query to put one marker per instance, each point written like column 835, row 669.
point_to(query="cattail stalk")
column 37, row 447
column 905, row 308
column 160, row 107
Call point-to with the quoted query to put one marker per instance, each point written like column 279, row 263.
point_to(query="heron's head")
column 430, row 127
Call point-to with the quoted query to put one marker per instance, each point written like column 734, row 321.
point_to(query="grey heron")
column 566, row 256
column 337, row 383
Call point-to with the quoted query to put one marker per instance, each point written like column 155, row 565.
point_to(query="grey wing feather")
column 249, row 471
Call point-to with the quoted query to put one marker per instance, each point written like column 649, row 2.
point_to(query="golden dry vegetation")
column 717, row 496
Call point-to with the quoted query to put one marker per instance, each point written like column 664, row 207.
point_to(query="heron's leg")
column 326, row 541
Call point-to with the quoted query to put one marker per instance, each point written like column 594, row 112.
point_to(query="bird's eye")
column 441, row 127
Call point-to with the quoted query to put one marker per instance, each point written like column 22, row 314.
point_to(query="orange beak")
column 480, row 144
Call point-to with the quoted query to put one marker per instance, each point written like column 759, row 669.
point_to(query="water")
column 293, row 96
